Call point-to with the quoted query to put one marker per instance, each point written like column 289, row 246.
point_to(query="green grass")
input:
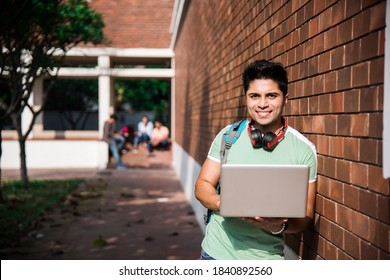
column 21, row 208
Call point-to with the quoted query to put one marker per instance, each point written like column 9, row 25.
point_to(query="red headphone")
column 268, row 141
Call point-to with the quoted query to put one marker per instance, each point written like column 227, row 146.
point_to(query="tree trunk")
column 17, row 122
column 23, row 164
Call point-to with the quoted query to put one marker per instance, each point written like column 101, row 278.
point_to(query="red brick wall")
column 136, row 23
column 334, row 54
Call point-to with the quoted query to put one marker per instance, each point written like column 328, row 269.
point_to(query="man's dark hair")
column 114, row 116
column 264, row 69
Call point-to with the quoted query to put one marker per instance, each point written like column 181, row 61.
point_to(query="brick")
column 330, row 251
column 352, row 245
column 344, row 80
column 341, row 255
column 344, row 32
column 325, row 228
column 377, row 69
column 138, row 21
column 337, row 235
column 353, row 7
column 343, row 170
column 376, row 125
column 337, row 102
column 304, row 106
column 368, row 99
column 344, row 125
column 351, row 196
column 369, row 150
column 352, row 148
column 378, row 16
column 318, row 124
column 318, row 40
column 369, row 46
column 368, row 203
column 319, row 206
column 323, row 144
column 331, row 124
column 359, row 125
column 314, row 105
column 376, row 182
column 330, row 210
column 360, row 26
column 338, row 12
column 323, row 186
column 359, row 174
column 330, row 39
column 368, row 252
column 379, row 233
column 384, row 255
column 384, row 209
column 330, row 167
column 336, row 147
column 321, row 247
column 352, row 52
column 330, row 82
column 337, row 57
column 337, row 191
column 360, row 225
column 325, row 20
column 360, row 74
column 324, row 100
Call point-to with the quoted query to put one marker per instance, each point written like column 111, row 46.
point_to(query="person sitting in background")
column 159, row 137
column 128, row 134
column 144, row 132
column 114, row 140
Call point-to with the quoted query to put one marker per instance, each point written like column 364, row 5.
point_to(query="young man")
column 159, row 137
column 143, row 133
column 114, row 140
column 265, row 88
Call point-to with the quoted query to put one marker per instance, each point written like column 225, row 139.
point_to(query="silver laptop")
column 249, row 190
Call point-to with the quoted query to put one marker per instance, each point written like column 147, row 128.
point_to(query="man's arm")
column 206, row 184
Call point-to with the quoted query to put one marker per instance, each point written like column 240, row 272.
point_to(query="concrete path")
column 138, row 213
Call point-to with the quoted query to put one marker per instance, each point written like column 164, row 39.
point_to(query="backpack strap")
column 228, row 139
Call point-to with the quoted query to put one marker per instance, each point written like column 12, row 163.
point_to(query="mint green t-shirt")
column 232, row 238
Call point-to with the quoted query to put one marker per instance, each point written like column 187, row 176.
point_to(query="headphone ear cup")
column 268, row 138
column 257, row 138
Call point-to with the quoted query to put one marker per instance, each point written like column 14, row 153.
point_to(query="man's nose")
column 263, row 102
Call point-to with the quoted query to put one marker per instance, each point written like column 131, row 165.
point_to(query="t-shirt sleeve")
column 215, row 148
column 311, row 160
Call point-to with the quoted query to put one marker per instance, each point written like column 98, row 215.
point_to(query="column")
column 106, row 108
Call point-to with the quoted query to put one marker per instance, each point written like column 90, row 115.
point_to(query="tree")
column 149, row 95
column 32, row 34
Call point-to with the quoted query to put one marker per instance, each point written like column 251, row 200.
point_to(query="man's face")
column 265, row 103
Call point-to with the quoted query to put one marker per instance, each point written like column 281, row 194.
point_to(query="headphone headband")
column 267, row 141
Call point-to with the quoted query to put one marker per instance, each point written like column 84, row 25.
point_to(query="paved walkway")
column 138, row 213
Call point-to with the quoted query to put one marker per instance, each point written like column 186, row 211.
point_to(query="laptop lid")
column 249, row 190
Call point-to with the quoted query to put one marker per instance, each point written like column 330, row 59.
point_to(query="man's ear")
column 285, row 99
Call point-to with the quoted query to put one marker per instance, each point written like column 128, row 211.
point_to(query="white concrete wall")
column 56, row 154
column 187, row 170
